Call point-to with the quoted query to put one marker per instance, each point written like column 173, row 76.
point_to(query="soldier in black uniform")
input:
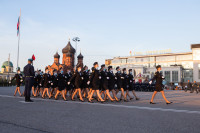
column 95, row 80
column 35, row 84
column 125, row 84
column 85, row 86
column 29, row 74
column 111, row 82
column 39, row 87
column 158, row 86
column 61, row 85
column 69, row 87
column 89, row 83
column 19, row 79
column 131, row 83
column 77, row 77
column 47, row 82
column 104, row 83
column 119, row 77
column 54, row 83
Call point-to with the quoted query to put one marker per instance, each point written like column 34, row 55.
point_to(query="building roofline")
column 195, row 46
column 142, row 56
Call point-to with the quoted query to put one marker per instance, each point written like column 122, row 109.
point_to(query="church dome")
column 56, row 55
column 68, row 48
column 80, row 56
column 7, row 63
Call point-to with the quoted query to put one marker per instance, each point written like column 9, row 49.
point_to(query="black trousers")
column 28, row 87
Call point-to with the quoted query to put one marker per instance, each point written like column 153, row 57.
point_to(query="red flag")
column 33, row 57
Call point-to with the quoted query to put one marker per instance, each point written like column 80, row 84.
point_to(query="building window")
column 187, row 75
column 174, row 76
column 167, row 76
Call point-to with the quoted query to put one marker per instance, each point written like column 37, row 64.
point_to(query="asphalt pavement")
column 58, row 116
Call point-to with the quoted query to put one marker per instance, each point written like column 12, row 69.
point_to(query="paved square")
column 53, row 116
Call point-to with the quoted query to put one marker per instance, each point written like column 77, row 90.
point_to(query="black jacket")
column 54, row 79
column 61, row 80
column 95, row 78
column 124, row 80
column 78, row 78
column 29, row 71
column 104, row 79
column 18, row 77
column 158, row 78
column 119, row 80
column 46, row 80
column 86, row 76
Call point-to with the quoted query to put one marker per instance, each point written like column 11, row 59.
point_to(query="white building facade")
column 176, row 67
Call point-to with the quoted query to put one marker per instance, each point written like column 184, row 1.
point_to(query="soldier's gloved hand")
column 68, row 83
column 82, row 78
column 122, row 77
column 115, row 77
column 150, row 82
column 40, row 84
column 51, row 83
column 9, row 82
column 99, row 77
column 88, row 82
column 108, row 78
column 21, row 80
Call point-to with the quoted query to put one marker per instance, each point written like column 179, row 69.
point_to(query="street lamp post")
column 76, row 39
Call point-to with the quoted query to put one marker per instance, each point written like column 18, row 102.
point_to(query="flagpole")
column 18, row 41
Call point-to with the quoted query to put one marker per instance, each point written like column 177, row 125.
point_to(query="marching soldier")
column 77, row 77
column 85, row 86
column 29, row 74
column 35, row 84
column 95, row 80
column 119, row 77
column 19, row 80
column 39, row 87
column 54, row 83
column 47, row 82
column 61, row 85
column 125, row 84
column 158, row 86
column 111, row 82
column 69, row 87
column 131, row 84
column 104, row 83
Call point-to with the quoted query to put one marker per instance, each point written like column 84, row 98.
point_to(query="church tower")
column 80, row 59
column 68, row 55
column 56, row 58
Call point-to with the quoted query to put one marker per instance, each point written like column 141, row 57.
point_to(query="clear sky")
column 107, row 28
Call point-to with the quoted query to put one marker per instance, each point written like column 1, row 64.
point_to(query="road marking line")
column 113, row 105
column 25, row 102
